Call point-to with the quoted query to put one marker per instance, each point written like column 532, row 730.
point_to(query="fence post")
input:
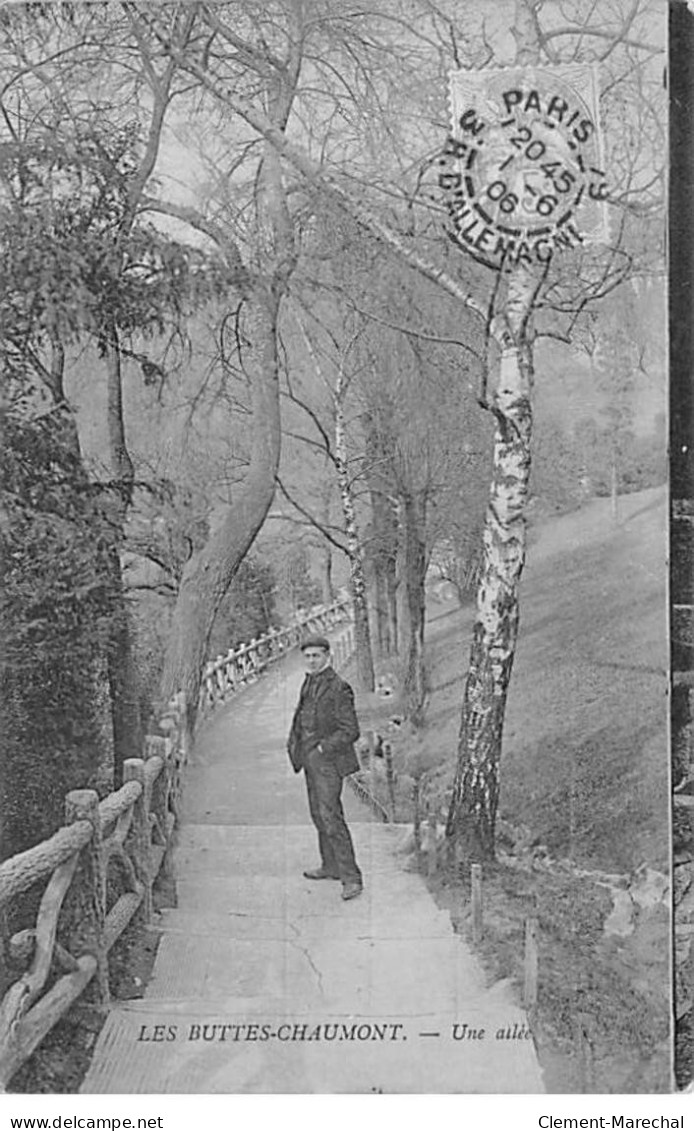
column 83, row 805
column 134, row 770
column 179, row 754
column 530, row 964
column 160, row 803
column 225, row 674
column 215, row 674
column 476, row 899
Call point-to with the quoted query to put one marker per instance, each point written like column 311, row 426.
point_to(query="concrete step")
column 275, row 849
column 356, row 974
column 283, row 898
column 243, row 925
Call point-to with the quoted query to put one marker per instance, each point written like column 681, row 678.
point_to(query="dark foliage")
column 55, row 608
column 248, row 610
column 75, row 262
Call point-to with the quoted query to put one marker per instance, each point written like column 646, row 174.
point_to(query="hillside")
column 585, row 763
column 584, row 830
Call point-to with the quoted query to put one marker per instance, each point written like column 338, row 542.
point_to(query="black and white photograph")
column 345, row 721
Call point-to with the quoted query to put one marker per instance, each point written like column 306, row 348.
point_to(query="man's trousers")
column 324, row 786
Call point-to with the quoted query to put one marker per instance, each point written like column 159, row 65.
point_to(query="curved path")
column 266, row 982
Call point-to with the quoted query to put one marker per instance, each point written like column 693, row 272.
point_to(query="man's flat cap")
column 315, row 642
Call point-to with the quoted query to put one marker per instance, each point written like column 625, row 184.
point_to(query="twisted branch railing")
column 97, row 872
column 226, row 674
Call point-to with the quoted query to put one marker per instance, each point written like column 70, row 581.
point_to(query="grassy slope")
column 585, row 769
column 585, row 746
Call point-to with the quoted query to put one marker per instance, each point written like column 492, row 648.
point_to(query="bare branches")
column 209, row 228
column 325, row 529
column 318, row 176
column 264, row 63
column 417, row 333
column 599, row 33
column 161, row 93
column 326, row 445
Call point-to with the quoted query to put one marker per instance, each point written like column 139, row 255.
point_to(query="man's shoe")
column 320, row 874
column 351, row 891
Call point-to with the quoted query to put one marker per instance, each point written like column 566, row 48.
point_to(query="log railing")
column 91, row 878
column 229, row 673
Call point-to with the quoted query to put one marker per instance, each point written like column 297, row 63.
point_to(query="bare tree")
column 336, row 447
column 424, row 445
column 254, row 232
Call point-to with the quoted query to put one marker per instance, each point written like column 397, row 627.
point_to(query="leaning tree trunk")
column 472, row 815
column 209, row 573
column 414, row 573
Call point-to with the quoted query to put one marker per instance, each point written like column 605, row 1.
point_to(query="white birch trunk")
column 472, row 815
column 362, row 631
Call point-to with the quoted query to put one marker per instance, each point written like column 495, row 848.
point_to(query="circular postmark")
column 522, row 170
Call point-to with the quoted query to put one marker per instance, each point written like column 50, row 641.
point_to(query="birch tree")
column 472, row 814
column 336, row 447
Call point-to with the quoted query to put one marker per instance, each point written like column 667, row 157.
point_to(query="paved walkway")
column 266, row 982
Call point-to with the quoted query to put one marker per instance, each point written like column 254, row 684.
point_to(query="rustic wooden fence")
column 227, row 674
column 88, row 881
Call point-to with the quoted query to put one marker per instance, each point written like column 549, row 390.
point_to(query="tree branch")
column 599, row 33
column 318, row 176
column 327, row 446
column 209, row 228
column 401, row 329
column 266, row 65
column 309, row 517
column 305, row 440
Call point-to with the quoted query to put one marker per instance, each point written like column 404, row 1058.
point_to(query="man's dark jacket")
column 336, row 724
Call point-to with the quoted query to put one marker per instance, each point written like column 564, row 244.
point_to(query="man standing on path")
column 321, row 742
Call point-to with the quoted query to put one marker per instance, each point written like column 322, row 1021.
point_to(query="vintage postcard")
column 338, row 673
